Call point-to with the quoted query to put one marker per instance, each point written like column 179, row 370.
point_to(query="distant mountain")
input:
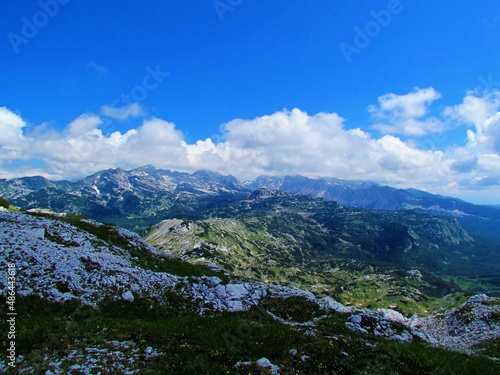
column 141, row 197
column 135, row 199
column 477, row 219
column 497, row 206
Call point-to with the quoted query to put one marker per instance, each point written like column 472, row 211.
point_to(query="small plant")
column 297, row 309
column 492, row 302
column 490, row 348
column 495, row 316
column 4, row 203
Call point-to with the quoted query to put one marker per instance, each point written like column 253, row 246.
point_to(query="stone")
column 128, row 296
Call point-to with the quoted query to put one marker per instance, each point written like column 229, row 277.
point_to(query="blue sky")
column 404, row 92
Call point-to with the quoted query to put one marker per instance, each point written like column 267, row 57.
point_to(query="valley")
column 365, row 258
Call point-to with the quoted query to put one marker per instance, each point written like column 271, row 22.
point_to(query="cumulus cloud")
column 11, row 125
column 483, row 112
column 285, row 142
column 406, row 114
column 480, row 157
column 85, row 124
column 121, row 113
column 11, row 134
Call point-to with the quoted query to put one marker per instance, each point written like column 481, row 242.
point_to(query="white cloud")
column 482, row 111
column 11, row 134
column 84, row 124
column 121, row 113
column 11, row 126
column 413, row 104
column 97, row 67
column 285, row 142
column 478, row 162
column 405, row 114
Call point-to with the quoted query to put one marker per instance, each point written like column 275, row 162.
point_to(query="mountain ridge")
column 113, row 194
column 346, row 192
column 146, row 195
column 478, row 219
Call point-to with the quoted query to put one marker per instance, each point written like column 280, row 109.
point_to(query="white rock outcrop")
column 72, row 264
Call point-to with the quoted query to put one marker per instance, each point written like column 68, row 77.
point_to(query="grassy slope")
column 290, row 252
column 192, row 344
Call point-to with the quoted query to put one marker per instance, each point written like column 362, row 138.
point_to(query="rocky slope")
column 56, row 259
column 68, row 260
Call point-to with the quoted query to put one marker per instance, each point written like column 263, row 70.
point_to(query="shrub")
column 4, row 203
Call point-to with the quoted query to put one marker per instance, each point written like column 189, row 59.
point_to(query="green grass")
column 492, row 302
column 194, row 344
column 296, row 309
column 495, row 316
column 191, row 344
column 490, row 348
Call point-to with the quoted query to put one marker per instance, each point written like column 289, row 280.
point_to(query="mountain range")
column 134, row 199
column 478, row 219
column 278, row 275
column 293, row 229
column 146, row 195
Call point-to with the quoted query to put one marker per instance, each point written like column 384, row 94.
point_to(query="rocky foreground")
column 60, row 260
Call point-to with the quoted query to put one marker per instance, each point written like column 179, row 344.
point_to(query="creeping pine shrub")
column 4, row 203
column 296, row 308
